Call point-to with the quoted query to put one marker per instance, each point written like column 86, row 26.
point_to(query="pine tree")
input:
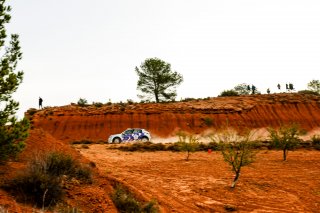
column 157, row 79
column 12, row 131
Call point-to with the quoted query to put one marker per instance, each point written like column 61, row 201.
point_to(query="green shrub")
column 37, row 187
column 308, row 92
column 41, row 182
column 285, row 138
column 205, row 146
column 316, row 142
column 207, row 121
column 188, row 143
column 126, row 202
column 83, row 173
column 32, row 111
column 236, row 150
column 82, row 142
column 150, row 207
column 228, row 93
column 188, row 99
column 82, row 102
column 58, row 164
column 97, row 104
column 147, row 146
column 174, row 147
column 130, row 101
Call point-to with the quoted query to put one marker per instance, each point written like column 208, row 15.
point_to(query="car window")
column 129, row 131
column 137, row 131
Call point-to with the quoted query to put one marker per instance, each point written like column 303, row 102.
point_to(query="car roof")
column 134, row 128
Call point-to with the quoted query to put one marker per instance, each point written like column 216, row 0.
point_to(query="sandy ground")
column 202, row 184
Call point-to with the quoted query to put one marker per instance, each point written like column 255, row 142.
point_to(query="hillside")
column 72, row 122
column 81, row 196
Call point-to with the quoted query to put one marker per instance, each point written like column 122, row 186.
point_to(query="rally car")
column 132, row 134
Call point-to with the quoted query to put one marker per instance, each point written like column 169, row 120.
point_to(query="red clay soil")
column 72, row 122
column 86, row 197
column 199, row 185
column 202, row 184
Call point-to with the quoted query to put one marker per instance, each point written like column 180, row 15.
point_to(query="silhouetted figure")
column 40, row 103
column 253, row 88
column 279, row 87
column 268, row 91
column 291, row 86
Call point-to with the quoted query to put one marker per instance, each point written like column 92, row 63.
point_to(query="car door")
column 136, row 134
column 127, row 135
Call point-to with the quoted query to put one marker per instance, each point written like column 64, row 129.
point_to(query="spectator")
column 40, row 103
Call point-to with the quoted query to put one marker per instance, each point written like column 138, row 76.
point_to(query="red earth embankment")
column 82, row 196
column 73, row 122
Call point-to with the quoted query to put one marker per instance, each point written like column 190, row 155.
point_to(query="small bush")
column 228, row 93
column 126, row 202
column 205, row 146
column 58, row 164
column 97, row 104
column 32, row 111
column 37, row 187
column 308, row 92
column 316, row 142
column 188, row 143
column 236, row 150
column 207, row 121
column 130, row 101
column 83, row 173
column 82, row 102
column 41, row 183
column 82, row 142
column 148, row 146
column 188, row 99
column 285, row 138
column 174, row 147
column 150, row 207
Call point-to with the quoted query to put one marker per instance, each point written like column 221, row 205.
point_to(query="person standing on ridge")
column 279, row 87
column 40, row 103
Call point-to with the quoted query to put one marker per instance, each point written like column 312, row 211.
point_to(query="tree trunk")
column 235, row 180
column 284, row 154
column 188, row 156
column 157, row 97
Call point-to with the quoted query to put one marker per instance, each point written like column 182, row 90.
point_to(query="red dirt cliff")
column 73, row 122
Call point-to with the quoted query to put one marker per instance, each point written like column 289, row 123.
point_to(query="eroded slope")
column 166, row 119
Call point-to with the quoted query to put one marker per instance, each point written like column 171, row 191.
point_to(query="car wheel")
column 116, row 140
column 145, row 139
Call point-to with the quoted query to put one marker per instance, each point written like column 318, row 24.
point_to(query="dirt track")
column 202, row 184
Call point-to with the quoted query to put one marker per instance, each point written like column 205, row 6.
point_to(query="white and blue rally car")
column 131, row 134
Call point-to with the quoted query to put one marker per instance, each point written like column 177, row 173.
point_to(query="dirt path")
column 202, row 184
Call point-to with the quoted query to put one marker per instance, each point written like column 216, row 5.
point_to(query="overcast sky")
column 89, row 49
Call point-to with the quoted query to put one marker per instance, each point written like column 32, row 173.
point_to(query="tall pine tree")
column 12, row 131
column 156, row 78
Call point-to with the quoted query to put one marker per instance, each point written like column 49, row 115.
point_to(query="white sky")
column 89, row 49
